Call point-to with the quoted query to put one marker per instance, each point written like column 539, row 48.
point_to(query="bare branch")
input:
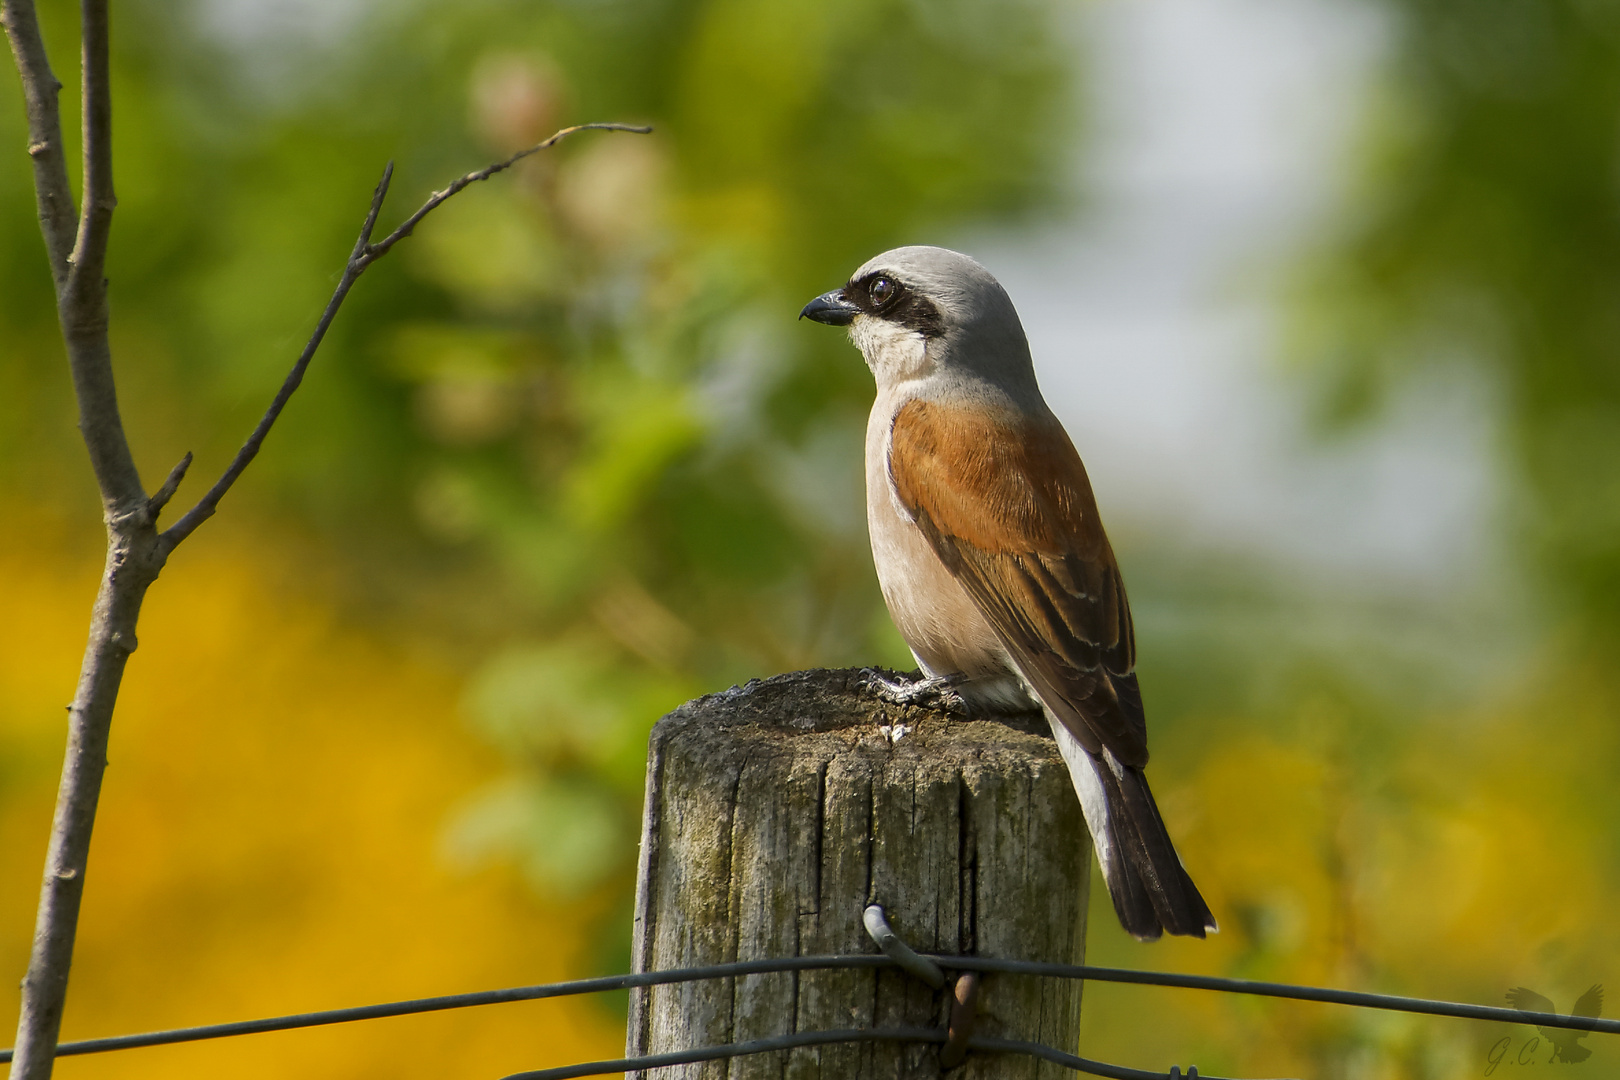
column 160, row 498
column 380, row 249
column 40, row 91
column 136, row 552
column 95, row 220
column 77, row 268
column 133, row 563
column 365, row 253
column 81, row 305
column 209, row 503
column 82, row 301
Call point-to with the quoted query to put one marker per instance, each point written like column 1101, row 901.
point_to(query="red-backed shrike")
column 991, row 555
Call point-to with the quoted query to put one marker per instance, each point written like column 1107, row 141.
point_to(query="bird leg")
column 933, row 692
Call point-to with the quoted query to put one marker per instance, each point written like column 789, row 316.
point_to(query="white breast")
column 932, row 611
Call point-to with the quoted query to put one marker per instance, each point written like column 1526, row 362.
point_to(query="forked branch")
column 364, row 254
column 76, row 246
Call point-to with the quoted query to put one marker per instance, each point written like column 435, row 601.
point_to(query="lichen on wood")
column 777, row 811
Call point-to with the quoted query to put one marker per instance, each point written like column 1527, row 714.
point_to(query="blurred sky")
column 1219, row 131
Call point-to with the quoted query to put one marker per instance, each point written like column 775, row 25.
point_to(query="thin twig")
column 136, row 551
column 379, row 249
column 160, row 498
column 364, row 254
column 41, row 90
column 95, row 219
column 209, row 503
column 82, row 302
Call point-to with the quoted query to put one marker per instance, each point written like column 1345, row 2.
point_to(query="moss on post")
column 777, row 811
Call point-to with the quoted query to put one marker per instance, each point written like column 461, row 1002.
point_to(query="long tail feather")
column 1151, row 890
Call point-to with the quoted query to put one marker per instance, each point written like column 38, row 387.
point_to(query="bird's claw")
column 938, row 692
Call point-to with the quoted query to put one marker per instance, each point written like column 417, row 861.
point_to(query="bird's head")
column 916, row 310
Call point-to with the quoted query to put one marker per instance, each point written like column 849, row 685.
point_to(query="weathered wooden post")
column 778, row 811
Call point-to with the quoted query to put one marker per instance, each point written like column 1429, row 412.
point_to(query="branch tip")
column 375, row 251
column 362, row 246
column 364, row 254
column 160, row 498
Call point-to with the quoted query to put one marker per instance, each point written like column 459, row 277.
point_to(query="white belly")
column 935, row 615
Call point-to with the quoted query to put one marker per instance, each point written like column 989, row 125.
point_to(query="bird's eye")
column 882, row 290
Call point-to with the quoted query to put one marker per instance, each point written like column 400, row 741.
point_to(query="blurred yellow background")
column 1324, row 292
column 271, row 835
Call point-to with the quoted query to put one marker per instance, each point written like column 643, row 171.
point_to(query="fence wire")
column 814, row 963
column 850, row 1035
column 461, row 1001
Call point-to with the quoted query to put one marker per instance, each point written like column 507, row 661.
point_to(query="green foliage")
column 1487, row 232
column 571, row 437
column 570, row 428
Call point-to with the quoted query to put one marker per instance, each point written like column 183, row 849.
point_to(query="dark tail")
column 1151, row 891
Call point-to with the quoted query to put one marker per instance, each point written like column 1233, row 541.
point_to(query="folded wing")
column 1007, row 506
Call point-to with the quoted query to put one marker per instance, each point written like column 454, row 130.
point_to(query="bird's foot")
column 937, row 692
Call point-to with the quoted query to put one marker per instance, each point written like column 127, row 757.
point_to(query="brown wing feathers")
column 1007, row 506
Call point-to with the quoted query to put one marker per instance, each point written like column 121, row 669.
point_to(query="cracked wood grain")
column 776, row 812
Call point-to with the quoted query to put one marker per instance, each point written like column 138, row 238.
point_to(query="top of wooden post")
column 777, row 811
column 833, row 699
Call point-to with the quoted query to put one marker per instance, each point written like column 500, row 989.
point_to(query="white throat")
column 893, row 352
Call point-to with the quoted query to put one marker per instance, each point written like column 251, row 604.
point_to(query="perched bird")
column 992, row 558
column 1566, row 1043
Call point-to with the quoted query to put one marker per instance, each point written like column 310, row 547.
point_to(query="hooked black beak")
column 830, row 308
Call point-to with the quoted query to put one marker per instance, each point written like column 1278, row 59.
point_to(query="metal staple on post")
column 912, row 962
column 958, row 1036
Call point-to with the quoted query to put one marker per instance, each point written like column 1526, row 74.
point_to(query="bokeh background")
column 1327, row 291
